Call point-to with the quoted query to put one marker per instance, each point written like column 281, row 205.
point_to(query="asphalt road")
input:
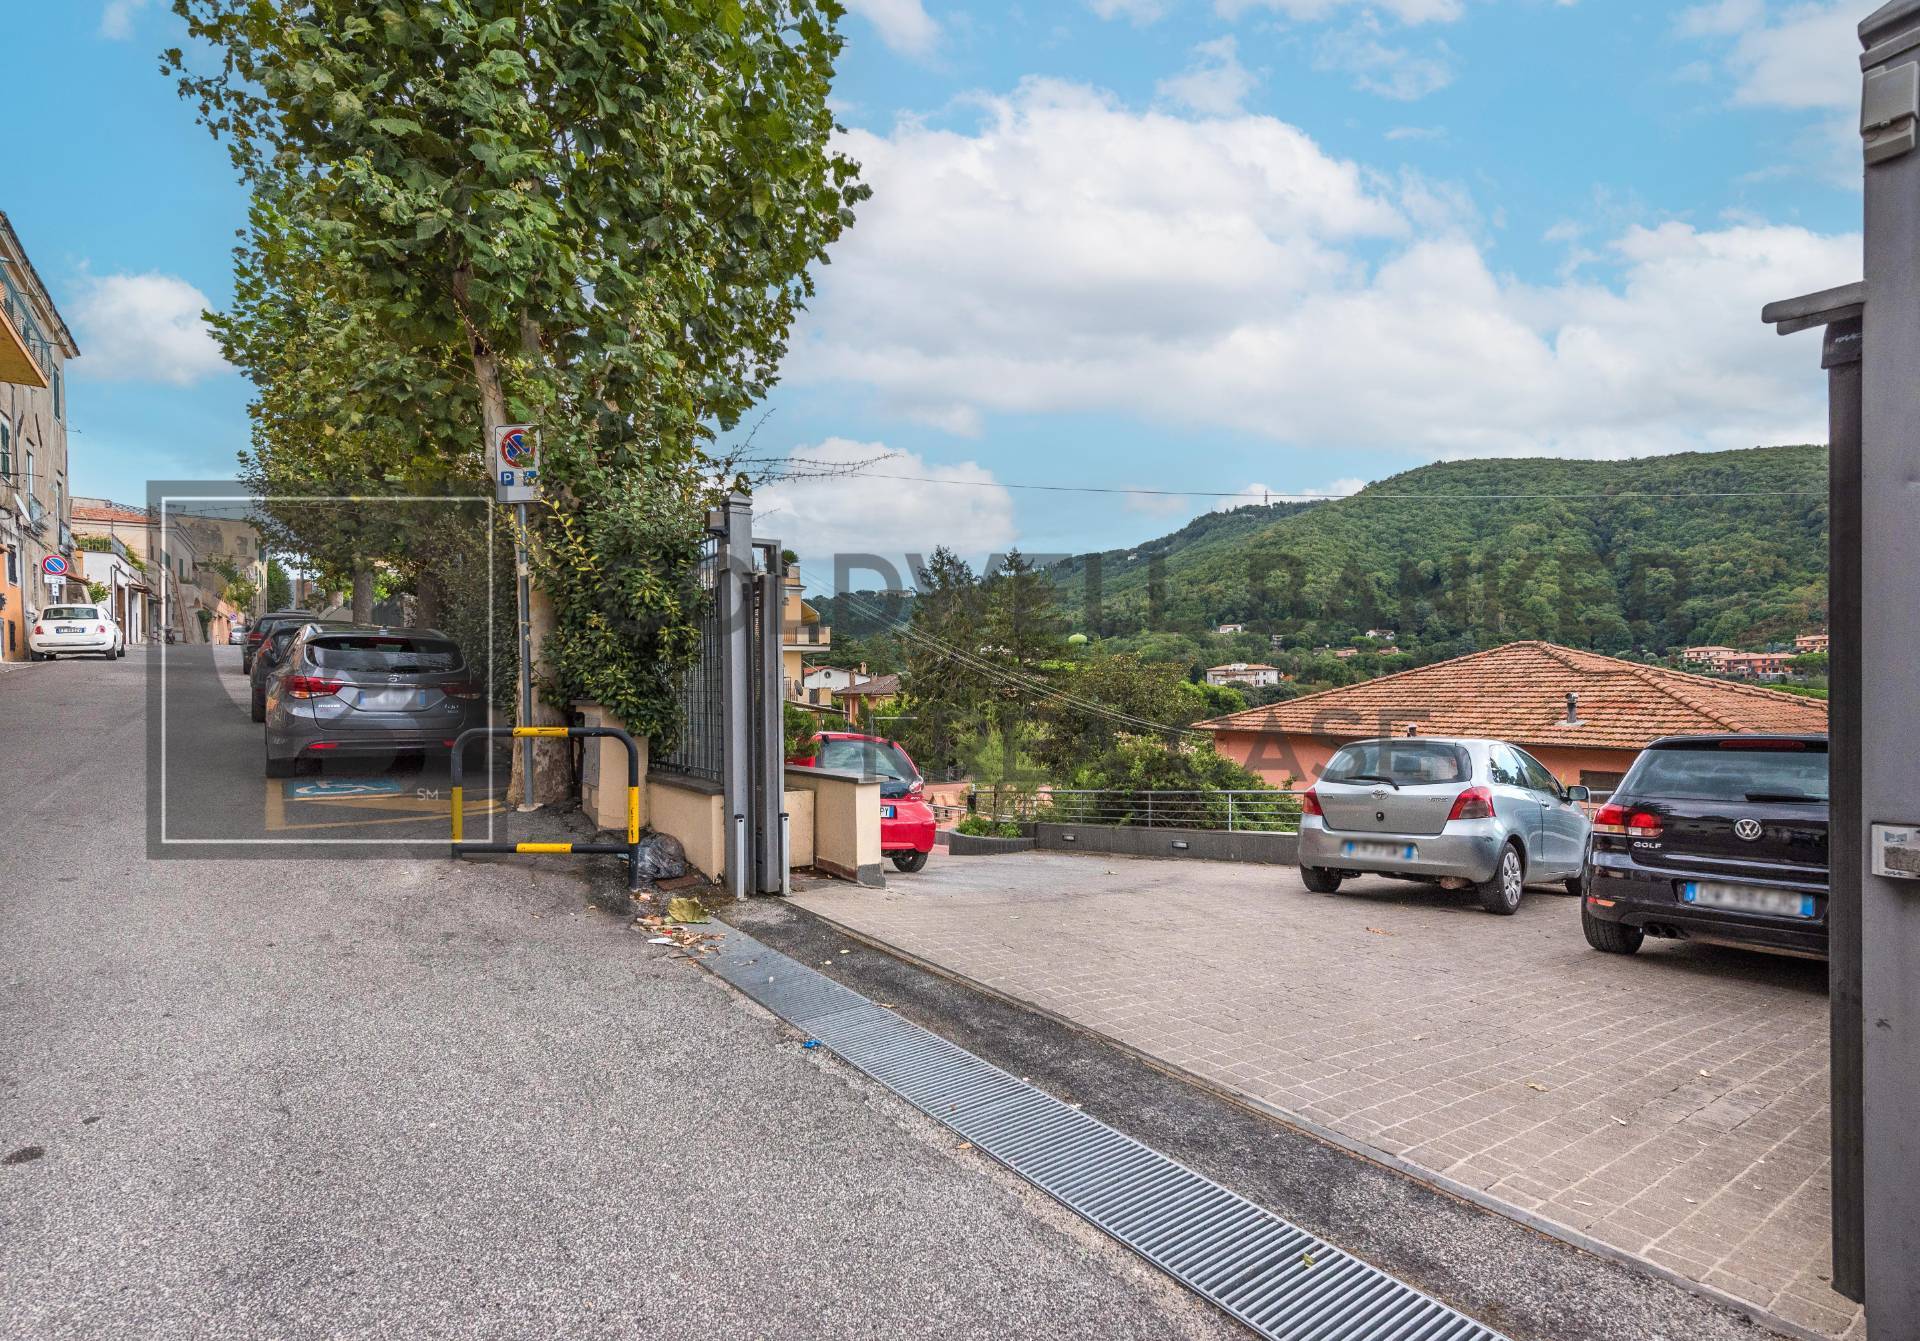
column 289, row 1093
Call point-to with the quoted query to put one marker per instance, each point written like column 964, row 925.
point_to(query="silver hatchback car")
column 1459, row 813
column 368, row 693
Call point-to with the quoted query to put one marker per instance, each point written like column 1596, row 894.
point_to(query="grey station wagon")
column 370, row 693
column 1458, row 813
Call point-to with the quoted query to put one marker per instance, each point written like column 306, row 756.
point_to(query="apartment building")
column 35, row 508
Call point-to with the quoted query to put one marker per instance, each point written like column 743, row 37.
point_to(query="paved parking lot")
column 1672, row 1105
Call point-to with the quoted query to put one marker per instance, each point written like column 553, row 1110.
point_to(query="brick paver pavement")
column 1672, row 1104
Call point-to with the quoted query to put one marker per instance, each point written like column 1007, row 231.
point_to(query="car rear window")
column 392, row 654
column 70, row 612
column 1731, row 771
column 871, row 758
column 1407, row 763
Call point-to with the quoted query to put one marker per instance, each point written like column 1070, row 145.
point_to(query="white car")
column 75, row 630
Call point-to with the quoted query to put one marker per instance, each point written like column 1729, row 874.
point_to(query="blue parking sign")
column 506, row 479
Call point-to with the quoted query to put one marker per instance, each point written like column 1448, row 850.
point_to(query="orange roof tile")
column 1519, row 693
column 112, row 514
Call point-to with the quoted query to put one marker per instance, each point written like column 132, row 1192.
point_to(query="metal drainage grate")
column 1278, row 1279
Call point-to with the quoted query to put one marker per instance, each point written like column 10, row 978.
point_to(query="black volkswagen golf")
column 1714, row 838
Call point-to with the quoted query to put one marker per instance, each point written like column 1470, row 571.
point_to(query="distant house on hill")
column 1252, row 674
column 1231, row 628
column 1810, row 642
column 866, row 697
column 1583, row 715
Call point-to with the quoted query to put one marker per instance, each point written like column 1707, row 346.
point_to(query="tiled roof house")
column 1518, row 693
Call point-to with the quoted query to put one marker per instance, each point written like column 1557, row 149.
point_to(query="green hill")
column 1648, row 554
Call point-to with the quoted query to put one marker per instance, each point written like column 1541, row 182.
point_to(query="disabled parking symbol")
column 330, row 788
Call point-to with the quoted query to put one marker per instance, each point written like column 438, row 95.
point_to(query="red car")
column 906, row 821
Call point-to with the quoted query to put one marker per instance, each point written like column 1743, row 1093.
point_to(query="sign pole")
column 515, row 462
column 525, row 583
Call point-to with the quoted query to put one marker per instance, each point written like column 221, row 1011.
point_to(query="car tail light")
column 1616, row 818
column 324, row 745
column 1473, row 803
column 38, row 629
column 462, row 689
column 917, row 787
column 1310, row 804
column 101, row 629
column 311, row 686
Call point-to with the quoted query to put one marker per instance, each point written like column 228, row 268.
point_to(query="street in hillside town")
column 947, row 669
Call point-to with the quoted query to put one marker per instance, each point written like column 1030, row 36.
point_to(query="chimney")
column 1413, row 728
column 863, row 670
column 1573, row 708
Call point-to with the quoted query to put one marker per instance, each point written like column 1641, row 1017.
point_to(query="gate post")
column 733, row 583
column 1890, row 657
column 769, row 726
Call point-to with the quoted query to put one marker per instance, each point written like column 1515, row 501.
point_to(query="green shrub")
column 980, row 826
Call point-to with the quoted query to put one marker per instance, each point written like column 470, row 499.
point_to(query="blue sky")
column 1207, row 245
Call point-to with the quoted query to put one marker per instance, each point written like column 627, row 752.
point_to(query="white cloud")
column 1407, row 11
column 1138, row 12
column 887, row 517
column 1396, row 72
column 1800, row 57
column 146, row 328
column 904, row 25
column 116, row 18
column 1070, row 255
column 1215, row 83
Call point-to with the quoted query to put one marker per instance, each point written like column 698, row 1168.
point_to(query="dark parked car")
column 368, row 693
column 266, row 624
column 272, row 652
column 1714, row 838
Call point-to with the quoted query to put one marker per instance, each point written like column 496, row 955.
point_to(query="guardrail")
column 1236, row 811
column 630, row 849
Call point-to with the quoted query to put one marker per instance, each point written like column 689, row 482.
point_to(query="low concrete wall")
column 799, row 807
column 1278, row 849
column 846, row 822
column 692, row 811
column 980, row 845
column 603, row 773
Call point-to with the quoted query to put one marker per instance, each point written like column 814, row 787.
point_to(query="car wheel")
column 1320, row 880
column 1576, row 886
column 1615, row 938
column 909, row 861
column 1501, row 895
column 281, row 768
column 259, row 707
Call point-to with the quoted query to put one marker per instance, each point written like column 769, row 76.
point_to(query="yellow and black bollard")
column 630, row 849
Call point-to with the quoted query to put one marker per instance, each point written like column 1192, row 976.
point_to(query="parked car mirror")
column 1579, row 795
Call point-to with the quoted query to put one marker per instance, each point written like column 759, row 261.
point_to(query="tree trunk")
column 553, row 763
column 362, row 592
column 427, row 601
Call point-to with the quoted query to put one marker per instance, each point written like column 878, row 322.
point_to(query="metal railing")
column 1262, row 811
column 808, row 635
column 20, row 313
column 630, row 849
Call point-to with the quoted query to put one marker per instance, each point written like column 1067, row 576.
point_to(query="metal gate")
column 730, row 733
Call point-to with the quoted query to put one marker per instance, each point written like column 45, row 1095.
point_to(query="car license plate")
column 68, row 628
column 886, row 812
column 1746, row 898
column 1380, row 851
column 390, row 700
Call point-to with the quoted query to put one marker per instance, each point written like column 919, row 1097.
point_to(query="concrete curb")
column 1358, row 1149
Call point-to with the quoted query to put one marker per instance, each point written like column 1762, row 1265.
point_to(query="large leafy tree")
column 594, row 214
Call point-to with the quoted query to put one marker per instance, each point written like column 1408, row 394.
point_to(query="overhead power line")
column 1819, row 490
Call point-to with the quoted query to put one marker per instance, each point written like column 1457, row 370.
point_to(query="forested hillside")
column 1727, row 547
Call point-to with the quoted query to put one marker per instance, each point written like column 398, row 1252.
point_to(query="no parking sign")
column 516, row 463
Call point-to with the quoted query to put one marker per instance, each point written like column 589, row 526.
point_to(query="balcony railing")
column 809, row 635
